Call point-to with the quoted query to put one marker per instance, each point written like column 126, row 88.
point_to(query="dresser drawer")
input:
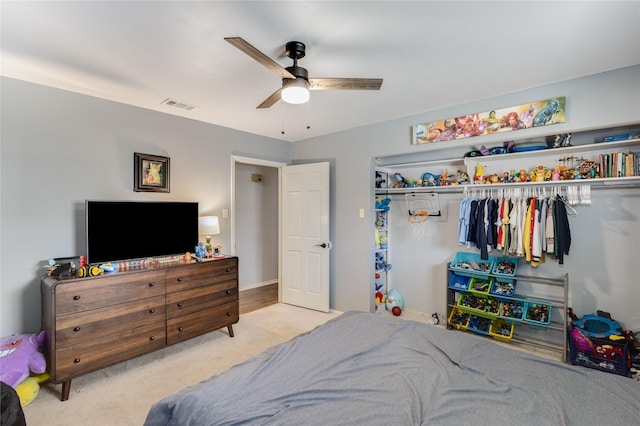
column 79, row 327
column 86, row 294
column 201, row 274
column 200, row 322
column 75, row 360
column 188, row 301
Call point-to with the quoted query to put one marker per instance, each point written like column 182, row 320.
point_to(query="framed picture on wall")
column 150, row 173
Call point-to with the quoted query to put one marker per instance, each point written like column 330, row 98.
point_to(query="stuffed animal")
column 28, row 389
column 20, row 356
column 395, row 302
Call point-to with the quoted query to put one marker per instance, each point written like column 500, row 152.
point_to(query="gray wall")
column 60, row 148
column 606, row 243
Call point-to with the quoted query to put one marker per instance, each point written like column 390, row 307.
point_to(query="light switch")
column 361, row 213
column 225, row 213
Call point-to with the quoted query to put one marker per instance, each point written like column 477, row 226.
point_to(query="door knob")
column 325, row 245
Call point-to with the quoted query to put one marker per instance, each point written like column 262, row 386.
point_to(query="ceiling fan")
column 295, row 80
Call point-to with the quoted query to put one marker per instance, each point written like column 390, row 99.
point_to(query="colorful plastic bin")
column 503, row 287
column 459, row 282
column 479, row 324
column 512, row 310
column 501, row 330
column 537, row 314
column 471, row 265
column 459, row 319
column 480, row 285
column 486, row 306
column 505, row 267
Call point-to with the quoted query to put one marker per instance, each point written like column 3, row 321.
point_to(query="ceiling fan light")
column 295, row 91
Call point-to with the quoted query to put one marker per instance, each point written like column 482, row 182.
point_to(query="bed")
column 366, row 369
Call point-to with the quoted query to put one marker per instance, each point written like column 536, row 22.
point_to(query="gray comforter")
column 366, row 369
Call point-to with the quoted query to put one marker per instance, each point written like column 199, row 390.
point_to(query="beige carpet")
column 122, row 394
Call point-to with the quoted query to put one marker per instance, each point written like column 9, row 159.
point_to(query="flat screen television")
column 121, row 230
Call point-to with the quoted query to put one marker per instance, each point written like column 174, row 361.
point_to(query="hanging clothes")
column 481, row 230
column 563, row 233
column 532, row 227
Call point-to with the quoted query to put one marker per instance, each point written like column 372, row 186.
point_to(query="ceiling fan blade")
column 345, row 83
column 275, row 97
column 247, row 48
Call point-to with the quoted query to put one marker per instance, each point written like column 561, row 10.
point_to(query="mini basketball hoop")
column 418, row 221
column 420, row 207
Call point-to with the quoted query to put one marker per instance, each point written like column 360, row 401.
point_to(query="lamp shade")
column 295, row 91
column 209, row 225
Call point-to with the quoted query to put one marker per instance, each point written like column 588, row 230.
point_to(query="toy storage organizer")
column 485, row 299
column 600, row 354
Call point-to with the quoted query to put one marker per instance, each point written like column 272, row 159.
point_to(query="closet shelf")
column 515, row 160
column 596, row 183
column 391, row 168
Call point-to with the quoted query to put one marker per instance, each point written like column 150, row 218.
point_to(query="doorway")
column 254, row 217
column 257, row 232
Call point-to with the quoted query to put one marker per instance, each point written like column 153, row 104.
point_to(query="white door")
column 305, row 236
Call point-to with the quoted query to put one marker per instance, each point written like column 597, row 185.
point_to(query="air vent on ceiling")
column 178, row 104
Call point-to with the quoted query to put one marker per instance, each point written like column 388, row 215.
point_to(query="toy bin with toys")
column 480, row 285
column 501, row 330
column 458, row 282
column 477, row 304
column 603, row 354
column 512, row 310
column 479, row 324
column 472, row 265
column 459, row 319
column 503, row 287
column 537, row 314
column 505, row 267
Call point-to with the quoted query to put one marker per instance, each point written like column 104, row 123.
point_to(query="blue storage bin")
column 505, row 267
column 458, row 282
column 512, row 310
column 471, row 265
column 479, row 325
column 537, row 314
column 503, row 287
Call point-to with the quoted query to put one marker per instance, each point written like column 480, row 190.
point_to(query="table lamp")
column 209, row 225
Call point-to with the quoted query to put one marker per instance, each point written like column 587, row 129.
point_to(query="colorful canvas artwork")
column 525, row 116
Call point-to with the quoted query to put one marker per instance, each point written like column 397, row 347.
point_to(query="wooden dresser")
column 92, row 323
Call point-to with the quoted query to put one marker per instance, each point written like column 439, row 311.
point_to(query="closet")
column 424, row 172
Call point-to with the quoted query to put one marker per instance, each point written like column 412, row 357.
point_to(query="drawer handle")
column 180, row 305
column 228, row 269
column 151, row 284
column 76, row 297
column 179, row 278
column 76, row 329
column 76, row 361
column 228, row 314
column 152, row 338
column 180, row 329
column 151, row 311
column 228, row 291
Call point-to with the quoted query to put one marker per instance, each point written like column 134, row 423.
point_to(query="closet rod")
column 619, row 183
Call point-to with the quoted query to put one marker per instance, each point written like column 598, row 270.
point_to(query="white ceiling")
column 430, row 54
